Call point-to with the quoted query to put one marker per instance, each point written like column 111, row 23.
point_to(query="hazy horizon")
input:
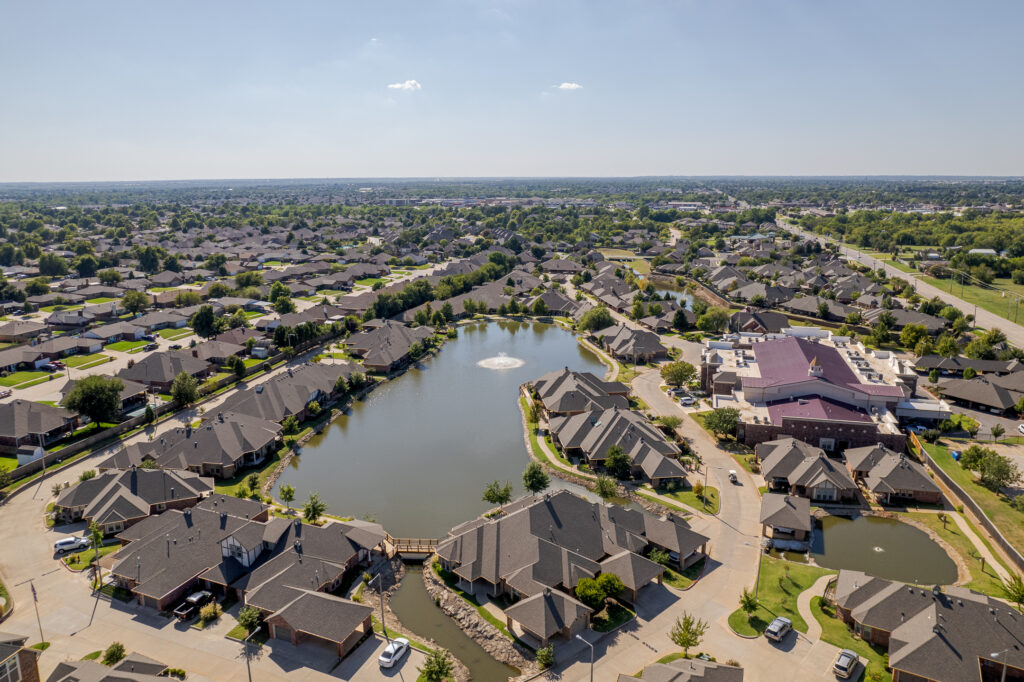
column 126, row 92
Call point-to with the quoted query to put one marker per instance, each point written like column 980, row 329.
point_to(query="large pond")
column 677, row 293
column 413, row 606
column 416, row 455
column 882, row 547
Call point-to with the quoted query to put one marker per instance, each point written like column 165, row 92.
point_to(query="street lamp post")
column 997, row 655
column 380, row 591
column 248, row 668
column 579, row 637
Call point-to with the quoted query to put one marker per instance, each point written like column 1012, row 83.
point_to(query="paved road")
column 983, row 318
column 734, row 547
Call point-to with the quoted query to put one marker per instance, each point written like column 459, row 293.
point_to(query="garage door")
column 281, row 632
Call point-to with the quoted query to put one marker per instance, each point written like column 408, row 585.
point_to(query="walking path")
column 982, row 548
column 803, row 605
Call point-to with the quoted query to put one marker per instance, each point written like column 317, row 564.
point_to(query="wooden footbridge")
column 409, row 545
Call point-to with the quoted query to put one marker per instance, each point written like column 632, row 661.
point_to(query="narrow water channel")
column 416, row 455
column 417, row 611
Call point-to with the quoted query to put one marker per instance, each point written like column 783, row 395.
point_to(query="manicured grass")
column 86, row 361
column 779, row 585
column 616, row 253
column 252, row 362
column 101, row 299
column 986, row 581
column 126, row 346
column 6, row 599
column 174, row 334
column 8, row 462
column 1008, row 520
column 642, row 267
column 695, row 501
column 82, row 560
column 254, row 313
column 836, row 633
column 611, row 617
column 59, row 308
column 239, row 632
column 992, row 301
column 682, row 581
column 92, row 656
column 232, row 485
column 16, row 378
column 40, row 646
column 370, row 281
column 452, row 582
column 158, row 290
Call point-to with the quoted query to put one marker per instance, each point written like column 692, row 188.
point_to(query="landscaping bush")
column 114, row 653
column 546, row 657
column 210, row 613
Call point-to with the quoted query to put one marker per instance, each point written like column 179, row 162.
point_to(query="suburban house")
column 63, row 346
column 284, row 568
column 590, row 435
column 536, row 552
column 160, row 319
column 158, row 370
column 132, row 668
column 221, row 446
column 290, row 393
column 119, row 499
column 18, row 663
column 944, row 634
column 758, row 321
column 20, row 331
column 565, row 392
column 630, row 345
column 891, row 477
column 956, row 365
column 69, row 320
column 998, row 394
column 117, row 331
column 786, row 521
column 133, row 395
column 27, row 423
column 216, row 352
column 793, row 466
column 386, row 348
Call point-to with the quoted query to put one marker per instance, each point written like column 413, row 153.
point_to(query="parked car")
column 57, row 363
column 49, row 367
column 175, row 346
column 778, row 629
column 4, row 392
column 393, row 652
column 1020, row 428
column 150, row 346
column 677, row 390
column 845, row 663
column 71, row 544
column 149, row 337
column 189, row 608
column 687, row 400
column 917, row 428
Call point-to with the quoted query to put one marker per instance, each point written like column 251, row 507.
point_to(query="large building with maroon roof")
column 812, row 386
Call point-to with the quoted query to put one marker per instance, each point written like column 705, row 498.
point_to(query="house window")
column 827, row 444
column 10, row 671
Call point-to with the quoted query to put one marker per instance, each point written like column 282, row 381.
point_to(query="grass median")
column 779, row 584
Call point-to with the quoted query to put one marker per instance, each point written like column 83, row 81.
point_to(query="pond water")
column 417, row 611
column 886, row 548
column 416, row 455
column 676, row 293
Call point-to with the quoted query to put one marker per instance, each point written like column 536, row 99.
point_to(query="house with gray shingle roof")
column 891, row 477
column 786, row 520
column 791, row 465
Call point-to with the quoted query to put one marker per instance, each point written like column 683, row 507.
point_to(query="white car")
column 72, row 544
column 778, row 629
column 686, row 400
column 1020, row 428
column 393, row 652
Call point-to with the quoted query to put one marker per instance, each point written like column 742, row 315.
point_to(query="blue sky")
column 147, row 90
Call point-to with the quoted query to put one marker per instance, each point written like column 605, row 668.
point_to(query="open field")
column 993, row 301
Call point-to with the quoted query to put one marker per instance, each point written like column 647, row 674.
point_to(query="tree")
column 238, row 320
column 610, row 584
column 113, row 654
column 933, row 376
column 98, row 397
column 947, row 347
column 205, row 322
column 498, row 494
column 1014, row 590
column 96, row 536
column 997, row 431
column 249, row 617
column 86, row 265
column 187, row 298
column 52, row 265
column 749, row 603
column 535, row 479
column 279, row 290
column 287, row 493
column 540, row 308
column 590, row 593
column 252, row 481
column 248, row 279
column 237, row 365
column 290, row 425
column 678, row 373
column 150, row 414
column 970, row 373
column 546, row 657
column 437, row 667
column 688, row 632
column 913, row 334
column 823, row 310
column 617, row 462
column 284, row 305
column 109, row 277
column 185, row 389
column 714, row 321
column 722, row 421
column 135, row 301
column 314, row 507
column 998, row 471
column 37, row 287
column 605, row 487
column 699, row 307
column 679, row 320
column 595, row 319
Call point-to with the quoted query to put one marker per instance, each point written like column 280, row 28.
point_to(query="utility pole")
column 380, row 591
column 35, row 603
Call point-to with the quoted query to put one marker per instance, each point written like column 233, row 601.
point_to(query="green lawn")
column 779, row 585
column 992, row 301
column 616, row 253
column 642, row 267
column 611, row 617
column 158, row 290
column 82, row 560
column 682, row 581
column 59, row 308
column 15, row 378
column 695, row 501
column 254, row 313
column 836, row 633
column 126, row 346
column 252, row 362
column 1008, row 520
column 101, row 299
column 8, row 462
column 986, row 581
column 86, row 361
column 232, row 485
column 370, row 281
column 175, row 334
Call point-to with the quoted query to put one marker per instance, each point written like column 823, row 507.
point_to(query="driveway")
column 361, row 664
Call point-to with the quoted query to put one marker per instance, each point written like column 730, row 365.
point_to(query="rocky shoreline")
column 494, row 642
column 391, row 575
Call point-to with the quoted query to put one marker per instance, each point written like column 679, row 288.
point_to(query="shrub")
column 210, row 613
column 113, row 654
column 546, row 657
column 249, row 618
column 87, row 474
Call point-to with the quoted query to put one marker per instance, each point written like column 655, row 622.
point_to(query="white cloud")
column 407, row 85
column 568, row 86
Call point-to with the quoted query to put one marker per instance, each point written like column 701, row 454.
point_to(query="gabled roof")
column 547, row 613
column 787, row 511
column 21, row 418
